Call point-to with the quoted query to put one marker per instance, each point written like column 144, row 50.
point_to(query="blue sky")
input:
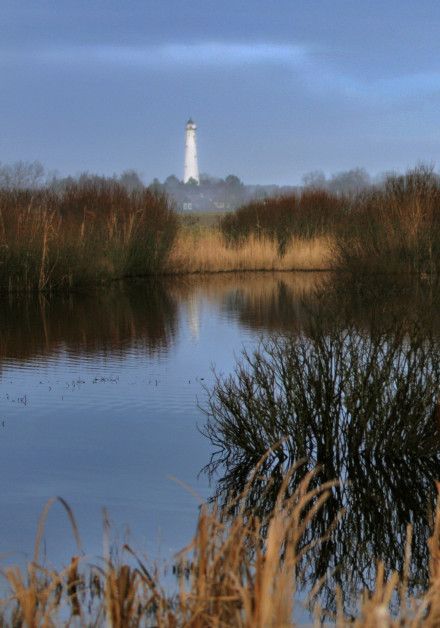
column 277, row 88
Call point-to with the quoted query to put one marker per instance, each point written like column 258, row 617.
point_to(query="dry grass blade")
column 42, row 524
column 238, row 573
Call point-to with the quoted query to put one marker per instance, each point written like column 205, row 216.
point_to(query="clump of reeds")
column 90, row 232
column 394, row 228
column 313, row 213
column 231, row 574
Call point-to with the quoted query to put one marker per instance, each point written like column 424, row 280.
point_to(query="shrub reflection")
column 363, row 407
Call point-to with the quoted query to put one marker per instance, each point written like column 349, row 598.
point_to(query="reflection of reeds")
column 141, row 315
column 208, row 251
column 263, row 301
column 229, row 575
column 144, row 313
column 258, row 288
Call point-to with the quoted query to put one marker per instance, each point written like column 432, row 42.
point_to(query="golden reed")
column 229, row 575
column 207, row 251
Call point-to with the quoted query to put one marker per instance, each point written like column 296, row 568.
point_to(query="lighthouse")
column 191, row 166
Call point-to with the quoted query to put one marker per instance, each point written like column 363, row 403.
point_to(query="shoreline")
column 171, row 274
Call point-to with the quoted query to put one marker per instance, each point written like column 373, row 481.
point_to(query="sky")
column 277, row 89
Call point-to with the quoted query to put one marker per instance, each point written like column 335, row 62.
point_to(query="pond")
column 101, row 396
column 99, row 404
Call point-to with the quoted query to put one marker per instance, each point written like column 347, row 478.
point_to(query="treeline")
column 85, row 232
column 391, row 227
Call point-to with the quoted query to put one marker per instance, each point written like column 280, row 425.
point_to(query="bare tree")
column 22, row 175
column 315, row 180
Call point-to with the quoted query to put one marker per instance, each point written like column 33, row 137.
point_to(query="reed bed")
column 229, row 575
column 393, row 227
column 390, row 228
column 94, row 231
column 305, row 215
column 89, row 233
column 207, row 251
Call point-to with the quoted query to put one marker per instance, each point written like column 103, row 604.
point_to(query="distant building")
column 191, row 170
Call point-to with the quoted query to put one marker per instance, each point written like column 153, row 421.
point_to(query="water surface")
column 99, row 404
column 100, row 396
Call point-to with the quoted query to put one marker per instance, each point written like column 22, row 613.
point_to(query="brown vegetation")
column 89, row 233
column 95, row 231
column 229, row 575
column 208, row 251
column 394, row 229
column 309, row 214
column 390, row 228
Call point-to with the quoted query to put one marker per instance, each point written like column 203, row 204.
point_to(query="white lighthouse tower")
column 191, row 166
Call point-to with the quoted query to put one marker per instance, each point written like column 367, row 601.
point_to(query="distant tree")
column 209, row 180
column 131, row 181
column 59, row 184
column 315, row 180
column 191, row 183
column 172, row 182
column 349, row 182
column 346, row 182
column 22, row 175
column 233, row 182
column 88, row 179
column 156, row 186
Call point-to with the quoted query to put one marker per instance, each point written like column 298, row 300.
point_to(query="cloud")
column 308, row 65
column 206, row 54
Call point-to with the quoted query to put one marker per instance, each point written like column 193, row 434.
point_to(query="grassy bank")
column 229, row 575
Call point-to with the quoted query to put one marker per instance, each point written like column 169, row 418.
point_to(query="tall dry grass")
column 94, row 231
column 88, row 233
column 229, row 575
column 305, row 215
column 394, row 229
column 208, row 251
column 389, row 228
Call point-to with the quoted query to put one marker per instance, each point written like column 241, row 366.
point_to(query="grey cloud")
column 171, row 55
column 307, row 63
